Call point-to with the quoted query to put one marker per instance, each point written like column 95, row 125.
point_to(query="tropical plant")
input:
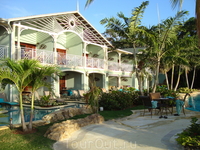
column 18, row 73
column 129, row 28
column 38, row 75
column 190, row 137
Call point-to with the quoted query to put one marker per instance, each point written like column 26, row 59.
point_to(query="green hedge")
column 119, row 100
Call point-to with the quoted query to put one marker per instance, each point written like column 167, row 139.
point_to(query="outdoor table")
column 162, row 103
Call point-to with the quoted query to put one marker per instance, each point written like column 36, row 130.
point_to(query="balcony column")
column 18, row 43
column 55, row 48
column 105, row 81
column 105, row 50
column 12, row 43
column 120, row 62
column 119, row 81
column 85, row 77
column 84, row 54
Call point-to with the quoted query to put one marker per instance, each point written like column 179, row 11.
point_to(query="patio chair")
column 180, row 105
column 154, row 96
column 148, row 105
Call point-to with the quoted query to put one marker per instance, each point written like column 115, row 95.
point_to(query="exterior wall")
column 73, row 80
column 4, row 37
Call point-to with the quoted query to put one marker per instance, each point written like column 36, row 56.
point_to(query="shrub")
column 118, row 100
column 186, row 90
column 190, row 137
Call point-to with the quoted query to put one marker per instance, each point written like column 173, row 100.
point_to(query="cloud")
column 14, row 11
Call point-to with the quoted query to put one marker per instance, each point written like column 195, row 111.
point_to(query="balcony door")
column 61, row 56
column 28, row 50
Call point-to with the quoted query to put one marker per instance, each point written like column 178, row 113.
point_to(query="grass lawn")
column 36, row 141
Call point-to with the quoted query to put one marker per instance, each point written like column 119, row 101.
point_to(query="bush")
column 118, row 100
column 186, row 90
column 190, row 137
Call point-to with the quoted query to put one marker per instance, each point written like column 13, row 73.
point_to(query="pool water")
column 193, row 103
column 14, row 113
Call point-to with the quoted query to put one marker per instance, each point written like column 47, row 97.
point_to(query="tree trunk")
column 186, row 77
column 172, row 77
column 166, row 78
column 194, row 74
column 156, row 77
column 140, row 83
column 30, row 126
column 178, row 79
column 24, row 127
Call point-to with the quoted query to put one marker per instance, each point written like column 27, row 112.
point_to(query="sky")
column 156, row 11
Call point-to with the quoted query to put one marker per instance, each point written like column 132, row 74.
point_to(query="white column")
column 86, row 82
column 55, row 48
column 84, row 52
column 119, row 81
column 105, row 50
column 56, row 86
column 135, row 81
column 120, row 62
column 18, row 43
column 12, row 44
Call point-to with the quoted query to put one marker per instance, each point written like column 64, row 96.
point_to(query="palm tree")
column 180, row 2
column 129, row 29
column 163, row 35
column 38, row 80
column 18, row 73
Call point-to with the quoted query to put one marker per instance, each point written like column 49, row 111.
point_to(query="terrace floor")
column 132, row 132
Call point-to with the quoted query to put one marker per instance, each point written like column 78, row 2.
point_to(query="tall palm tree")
column 38, row 80
column 163, row 35
column 18, row 73
column 129, row 28
column 180, row 2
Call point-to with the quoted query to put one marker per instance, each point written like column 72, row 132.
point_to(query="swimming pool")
column 193, row 103
column 14, row 113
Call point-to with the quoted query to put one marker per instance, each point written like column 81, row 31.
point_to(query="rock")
column 63, row 130
column 65, row 114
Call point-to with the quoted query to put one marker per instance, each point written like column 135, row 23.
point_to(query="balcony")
column 67, row 60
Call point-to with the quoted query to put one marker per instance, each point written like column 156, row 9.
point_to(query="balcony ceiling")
column 58, row 23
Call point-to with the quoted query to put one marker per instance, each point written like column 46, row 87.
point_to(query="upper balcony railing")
column 68, row 60
column 114, row 66
column 126, row 67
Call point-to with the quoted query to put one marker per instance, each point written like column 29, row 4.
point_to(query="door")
column 62, row 83
column 61, row 56
column 28, row 50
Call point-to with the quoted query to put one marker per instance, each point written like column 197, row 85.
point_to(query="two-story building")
column 71, row 42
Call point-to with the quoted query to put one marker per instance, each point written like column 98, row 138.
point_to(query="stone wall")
column 63, row 130
column 65, row 113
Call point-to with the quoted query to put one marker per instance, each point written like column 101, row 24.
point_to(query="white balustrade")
column 126, row 67
column 113, row 66
column 95, row 63
column 3, row 51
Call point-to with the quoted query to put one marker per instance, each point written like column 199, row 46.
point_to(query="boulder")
column 63, row 130
column 65, row 113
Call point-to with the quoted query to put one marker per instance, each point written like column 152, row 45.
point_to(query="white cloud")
column 14, row 11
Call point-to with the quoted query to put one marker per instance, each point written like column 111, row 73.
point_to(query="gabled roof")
column 59, row 22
